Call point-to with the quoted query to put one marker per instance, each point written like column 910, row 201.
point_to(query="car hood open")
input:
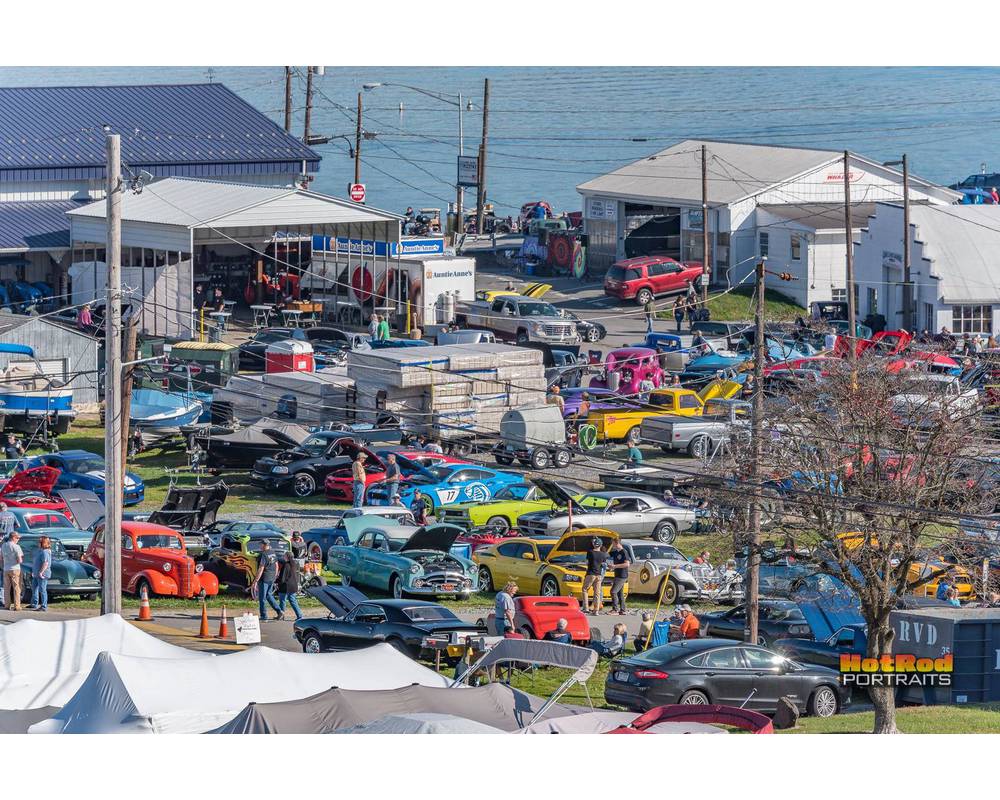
column 36, row 479
column 85, row 506
column 191, row 508
column 439, row 536
column 339, row 600
column 557, row 494
column 578, row 541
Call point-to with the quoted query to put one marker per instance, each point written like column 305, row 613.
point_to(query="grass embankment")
column 738, row 305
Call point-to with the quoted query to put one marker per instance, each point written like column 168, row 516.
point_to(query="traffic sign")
column 356, row 191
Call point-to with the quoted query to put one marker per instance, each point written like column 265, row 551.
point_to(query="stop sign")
column 356, row 191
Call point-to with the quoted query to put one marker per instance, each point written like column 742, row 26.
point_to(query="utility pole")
column 481, row 193
column 459, row 191
column 705, row 265
column 130, row 336
column 309, row 104
column 909, row 312
column 357, row 145
column 111, row 588
column 852, row 330
column 756, row 432
column 288, row 99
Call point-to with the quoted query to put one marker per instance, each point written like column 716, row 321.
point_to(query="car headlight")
column 418, row 583
column 198, row 568
column 414, row 569
column 97, row 574
column 167, row 566
column 279, row 470
column 572, row 579
column 537, row 327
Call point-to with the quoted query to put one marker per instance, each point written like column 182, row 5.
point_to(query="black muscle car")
column 355, row 621
column 302, row 470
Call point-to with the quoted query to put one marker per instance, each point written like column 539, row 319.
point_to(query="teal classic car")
column 403, row 559
column 69, row 576
column 53, row 524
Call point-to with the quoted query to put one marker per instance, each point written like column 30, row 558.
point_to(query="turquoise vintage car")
column 54, row 524
column 69, row 577
column 403, row 559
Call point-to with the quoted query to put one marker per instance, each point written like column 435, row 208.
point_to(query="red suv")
column 645, row 277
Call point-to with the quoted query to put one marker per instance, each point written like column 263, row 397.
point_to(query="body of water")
column 553, row 128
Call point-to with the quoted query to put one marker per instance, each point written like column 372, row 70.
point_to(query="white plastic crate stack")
column 449, row 391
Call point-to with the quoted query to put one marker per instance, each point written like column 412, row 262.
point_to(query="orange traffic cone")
column 203, row 633
column 145, row 614
column 223, row 624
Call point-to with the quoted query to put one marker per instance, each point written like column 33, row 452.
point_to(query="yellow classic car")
column 534, row 290
column 958, row 577
column 543, row 565
column 623, row 425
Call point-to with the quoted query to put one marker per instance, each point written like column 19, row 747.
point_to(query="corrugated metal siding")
column 35, row 226
column 50, row 341
column 55, row 133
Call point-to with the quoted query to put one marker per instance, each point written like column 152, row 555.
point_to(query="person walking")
column 621, row 564
column 392, row 476
column 596, row 565
column 358, row 485
column 288, row 586
column 267, row 571
column 650, row 310
column 503, row 609
column 298, row 547
column 41, row 571
column 679, row 312
column 13, row 555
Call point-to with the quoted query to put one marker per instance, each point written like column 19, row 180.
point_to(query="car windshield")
column 268, row 337
column 428, row 614
column 516, row 491
column 654, row 551
column 82, row 465
column 29, row 546
column 277, row 545
column 537, row 310
column 544, row 550
column 163, row 540
column 50, row 519
column 782, row 613
column 315, row 445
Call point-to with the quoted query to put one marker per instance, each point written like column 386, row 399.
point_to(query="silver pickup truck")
column 700, row 435
column 519, row 319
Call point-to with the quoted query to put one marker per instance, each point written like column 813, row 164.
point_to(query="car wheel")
column 540, row 458
column 139, row 584
column 312, row 644
column 400, row 645
column 550, row 587
column 634, row 436
column 665, row 532
column 303, row 485
column 643, row 297
column 563, row 457
column 396, row 587
column 698, row 447
column 694, row 698
column 762, row 640
column 824, row 702
column 505, row 461
column 669, row 591
column 522, row 338
column 593, row 334
column 315, row 552
column 525, row 631
column 500, row 525
column 485, row 580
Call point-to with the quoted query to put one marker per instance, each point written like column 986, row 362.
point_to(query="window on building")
column 872, row 300
column 929, row 323
column 838, row 295
column 764, row 243
column 972, row 319
column 796, row 247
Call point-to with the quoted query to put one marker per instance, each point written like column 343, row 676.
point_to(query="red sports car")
column 33, row 489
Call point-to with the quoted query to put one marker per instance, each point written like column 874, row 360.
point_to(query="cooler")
column 289, row 355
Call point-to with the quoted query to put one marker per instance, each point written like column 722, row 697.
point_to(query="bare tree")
column 873, row 470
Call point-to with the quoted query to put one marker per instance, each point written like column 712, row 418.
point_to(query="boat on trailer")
column 153, row 410
column 30, row 400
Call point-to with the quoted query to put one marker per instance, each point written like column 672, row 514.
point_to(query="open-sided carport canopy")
column 175, row 216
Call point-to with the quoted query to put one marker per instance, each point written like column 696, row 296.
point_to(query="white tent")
column 44, row 663
column 125, row 694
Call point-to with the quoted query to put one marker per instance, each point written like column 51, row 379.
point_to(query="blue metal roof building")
column 26, row 227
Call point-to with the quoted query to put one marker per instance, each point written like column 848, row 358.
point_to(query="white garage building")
column 785, row 203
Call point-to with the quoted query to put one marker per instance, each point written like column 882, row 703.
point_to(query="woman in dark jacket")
column 288, row 585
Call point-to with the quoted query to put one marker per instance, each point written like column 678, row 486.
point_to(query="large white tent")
column 128, row 694
column 44, row 663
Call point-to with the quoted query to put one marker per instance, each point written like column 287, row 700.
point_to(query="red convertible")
column 154, row 557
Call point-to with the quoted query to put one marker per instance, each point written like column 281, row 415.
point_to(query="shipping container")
column 970, row 635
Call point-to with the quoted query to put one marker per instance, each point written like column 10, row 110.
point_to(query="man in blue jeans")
column 267, row 571
column 392, row 476
column 358, row 486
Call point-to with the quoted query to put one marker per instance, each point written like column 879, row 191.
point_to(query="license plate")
column 447, row 586
column 621, row 677
column 712, row 585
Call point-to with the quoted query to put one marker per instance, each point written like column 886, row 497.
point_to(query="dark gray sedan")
column 700, row 671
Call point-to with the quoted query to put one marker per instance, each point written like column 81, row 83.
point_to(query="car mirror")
column 528, row 556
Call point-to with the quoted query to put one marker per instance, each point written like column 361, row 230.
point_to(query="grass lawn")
column 738, row 305
column 921, row 719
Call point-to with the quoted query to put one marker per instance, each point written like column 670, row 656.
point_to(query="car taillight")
column 654, row 674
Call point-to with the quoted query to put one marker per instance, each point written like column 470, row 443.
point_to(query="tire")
column 138, row 588
column 525, row 631
column 303, row 484
column 562, row 458
column 699, row 447
column 522, row 338
column 315, row 552
column 499, row 523
column 505, row 461
column 312, row 582
column 593, row 334
column 643, row 296
column 311, row 643
column 671, row 592
column 550, row 587
column 634, row 436
column 485, row 580
column 824, row 702
column 693, row 697
column 762, row 640
column 665, row 532
column 540, row 458
column 399, row 645
column 396, row 587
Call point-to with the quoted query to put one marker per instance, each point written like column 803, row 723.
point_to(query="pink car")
column 632, row 365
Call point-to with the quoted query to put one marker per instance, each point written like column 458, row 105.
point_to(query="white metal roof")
column 192, row 203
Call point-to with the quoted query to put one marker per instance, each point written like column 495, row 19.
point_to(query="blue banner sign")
column 429, row 246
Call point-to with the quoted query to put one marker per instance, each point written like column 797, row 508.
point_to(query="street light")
column 444, row 98
column 909, row 315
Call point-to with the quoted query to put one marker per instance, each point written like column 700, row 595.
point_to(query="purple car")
column 599, row 399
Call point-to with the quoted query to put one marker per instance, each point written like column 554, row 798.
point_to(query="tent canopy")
column 126, row 694
column 554, row 654
column 495, row 704
column 44, row 663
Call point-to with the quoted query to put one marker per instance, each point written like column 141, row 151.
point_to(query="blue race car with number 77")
column 445, row 484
